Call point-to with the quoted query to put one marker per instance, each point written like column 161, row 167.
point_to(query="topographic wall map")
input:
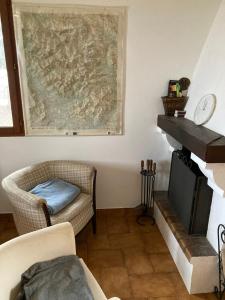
column 71, row 68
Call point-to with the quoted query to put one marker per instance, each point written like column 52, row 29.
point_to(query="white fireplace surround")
column 215, row 172
column 200, row 274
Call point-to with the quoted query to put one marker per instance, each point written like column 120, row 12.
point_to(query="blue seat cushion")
column 57, row 193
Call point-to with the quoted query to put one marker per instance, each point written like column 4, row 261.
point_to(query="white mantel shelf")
column 214, row 172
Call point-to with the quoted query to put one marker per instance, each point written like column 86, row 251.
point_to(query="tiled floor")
column 128, row 260
column 7, row 228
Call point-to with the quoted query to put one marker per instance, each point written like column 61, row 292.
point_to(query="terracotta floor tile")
column 7, row 234
column 137, row 261
column 132, row 298
column 117, row 225
column 101, row 224
column 152, row 285
column 133, row 211
column 115, row 282
column 83, row 235
column 163, row 298
column 115, row 212
column 7, row 225
column 162, row 263
column 98, row 242
column 135, row 227
column 128, row 240
column 192, row 297
column 211, row 297
column 178, row 282
column 123, row 262
column 81, row 249
column 105, row 258
column 101, row 213
column 154, row 243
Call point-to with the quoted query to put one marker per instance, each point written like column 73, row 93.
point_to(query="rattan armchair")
column 30, row 211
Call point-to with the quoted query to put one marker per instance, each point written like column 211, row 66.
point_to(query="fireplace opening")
column 189, row 194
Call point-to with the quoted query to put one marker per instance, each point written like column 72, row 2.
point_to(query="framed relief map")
column 71, row 62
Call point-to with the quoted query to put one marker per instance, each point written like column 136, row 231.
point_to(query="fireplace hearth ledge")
column 199, row 273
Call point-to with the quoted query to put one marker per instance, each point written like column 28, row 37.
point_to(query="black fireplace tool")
column 219, row 291
column 147, row 191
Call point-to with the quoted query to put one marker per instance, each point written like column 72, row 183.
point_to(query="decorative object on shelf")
column 180, row 113
column 205, row 109
column 173, row 103
column 147, row 191
column 177, row 96
column 184, row 85
column 221, row 260
column 178, row 88
column 172, row 88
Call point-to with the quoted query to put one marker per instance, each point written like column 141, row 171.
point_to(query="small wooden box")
column 173, row 103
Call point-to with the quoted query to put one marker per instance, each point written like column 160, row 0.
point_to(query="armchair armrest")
column 30, row 210
column 25, row 197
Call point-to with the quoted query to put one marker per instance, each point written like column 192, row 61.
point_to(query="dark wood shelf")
column 203, row 142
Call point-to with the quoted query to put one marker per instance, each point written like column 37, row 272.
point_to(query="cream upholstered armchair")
column 30, row 211
column 18, row 254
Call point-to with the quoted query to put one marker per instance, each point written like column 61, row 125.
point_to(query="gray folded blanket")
column 62, row 278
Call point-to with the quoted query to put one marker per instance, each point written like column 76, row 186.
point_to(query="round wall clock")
column 205, row 109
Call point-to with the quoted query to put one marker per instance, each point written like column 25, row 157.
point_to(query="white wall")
column 165, row 38
column 209, row 77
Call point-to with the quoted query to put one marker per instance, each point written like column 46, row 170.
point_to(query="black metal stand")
column 219, row 291
column 147, row 192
